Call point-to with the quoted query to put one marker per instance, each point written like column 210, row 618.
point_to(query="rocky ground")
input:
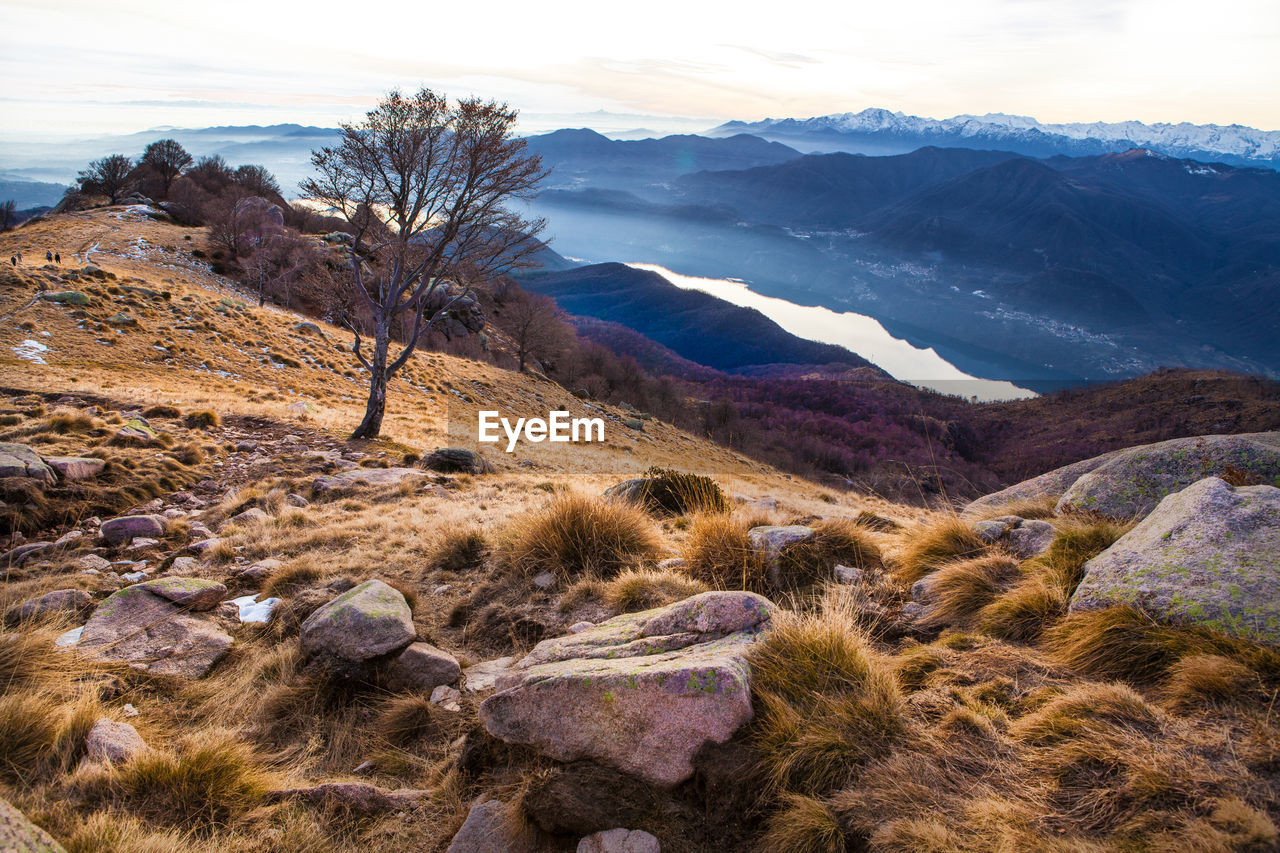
column 228, row 628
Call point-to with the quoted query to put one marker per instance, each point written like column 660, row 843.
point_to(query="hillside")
column 227, row 628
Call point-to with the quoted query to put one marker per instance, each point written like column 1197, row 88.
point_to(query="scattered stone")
column 358, row 798
column 133, row 577
column 192, row 593
column 67, row 538
column 20, row 835
column 848, row 575
column 113, row 743
column 66, row 297
column 913, row 610
column 545, row 580
column 61, row 601
column 620, row 841
column 457, row 460
column 76, row 467
column 1031, row 538
column 246, row 446
column 261, row 570
column 203, row 545
column 129, row 711
column 628, row 491
column 117, row 531
column 140, row 543
column 641, row 692
column 184, row 565
column 198, row 531
column 252, row 515
column 367, row 476
column 1132, row 483
column 1208, row 555
column 492, row 827
column 296, row 500
column 24, row 552
column 362, row 623
column 1048, row 485
column 151, row 633
column 447, row 697
column 422, row 666
column 93, row 562
column 69, row 638
column 990, row 531
column 308, row 328
column 579, row 627
column 18, row 460
column 483, row 676
column 137, row 430
column 772, row 540
column 672, row 564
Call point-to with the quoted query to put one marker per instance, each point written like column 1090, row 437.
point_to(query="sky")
column 86, row 67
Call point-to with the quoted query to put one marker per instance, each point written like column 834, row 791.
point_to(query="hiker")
column 48, row 256
column 57, row 258
column 13, row 260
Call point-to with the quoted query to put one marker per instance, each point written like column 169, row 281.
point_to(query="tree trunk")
column 371, row 426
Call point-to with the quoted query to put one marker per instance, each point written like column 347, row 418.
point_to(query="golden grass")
column 804, row 825
column 717, row 552
column 575, row 535
column 934, row 545
column 667, row 491
column 645, row 589
column 959, row 590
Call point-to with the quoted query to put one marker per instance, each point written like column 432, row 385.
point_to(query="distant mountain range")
column 879, row 131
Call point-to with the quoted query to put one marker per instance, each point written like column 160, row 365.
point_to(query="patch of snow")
column 70, row 638
column 31, row 350
column 252, row 610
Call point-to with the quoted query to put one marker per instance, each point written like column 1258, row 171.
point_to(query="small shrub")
column 163, row 411
column 577, row 535
column 64, row 423
column 871, row 521
column 190, row 453
column 460, row 550
column 836, row 541
column 934, row 546
column 405, row 719
column 291, row 578
column 202, row 420
column 670, row 492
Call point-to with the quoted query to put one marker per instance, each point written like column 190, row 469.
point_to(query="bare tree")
column 111, row 175
column 8, row 215
column 423, row 183
column 257, row 180
column 537, row 327
column 166, row 159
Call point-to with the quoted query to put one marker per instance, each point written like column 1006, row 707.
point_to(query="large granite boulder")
column 493, row 826
column 76, row 467
column 457, row 460
column 1208, row 555
column 365, row 622
column 1051, row 484
column 641, row 692
column 422, row 667
column 191, row 593
column 20, row 835
column 619, row 841
column 18, row 460
column 122, row 530
column 773, row 541
column 1131, row 484
column 149, row 632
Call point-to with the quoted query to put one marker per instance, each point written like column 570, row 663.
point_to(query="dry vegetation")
column 998, row 722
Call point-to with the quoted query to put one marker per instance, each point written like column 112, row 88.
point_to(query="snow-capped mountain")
column 879, row 131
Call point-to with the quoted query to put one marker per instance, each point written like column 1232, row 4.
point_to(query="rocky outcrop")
column 154, row 634
column 120, row 531
column 190, row 593
column 1131, row 484
column 20, row 835
column 363, row 623
column 1208, row 555
column 641, row 692
column 1048, row 485
column 18, row 460
column 457, row 460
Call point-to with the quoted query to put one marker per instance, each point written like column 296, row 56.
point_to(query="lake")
column 859, row 333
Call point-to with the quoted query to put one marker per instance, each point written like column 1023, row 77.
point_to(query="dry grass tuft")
column 211, row 779
column 1203, row 679
column 1088, row 711
column 461, row 549
column 1032, row 508
column 718, row 552
column 202, row 420
column 804, row 825
column 670, row 492
column 826, row 702
column 575, row 535
column 933, row 546
column 1025, row 610
column 959, row 590
column 644, row 589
